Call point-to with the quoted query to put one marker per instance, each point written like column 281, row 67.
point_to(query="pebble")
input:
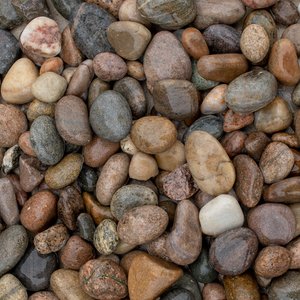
column 296, row 211
column 272, row 261
column 130, row 196
column 153, row 134
column 273, row 223
column 52, row 64
column 209, row 164
column 194, row 43
column 149, row 276
column 90, row 38
column 255, row 144
column 96, row 88
column 213, row 291
column 165, row 58
column 241, row 287
column 292, row 33
column 12, row 288
column 98, row 151
column 49, row 87
column 103, row 279
column 38, row 211
column 276, row 162
column 109, row 66
column 38, row 277
column 168, row 15
column 135, row 69
column 285, row 287
column 249, row 180
column 255, row 43
column 21, row 195
column 179, row 184
column 65, row 172
column 142, row 224
column 214, row 101
column 41, row 37
column 75, row 253
column 293, row 248
column 142, row 167
column 43, row 296
column 30, row 174
column 86, row 226
column 9, row 49
column 283, row 62
column 30, row 9
column 45, row 140
column 71, row 120
column 87, row 179
column 11, row 159
column 51, row 239
column 9, row 211
column 113, row 176
column 222, row 67
column 258, row 87
column 106, row 237
column 127, row 259
column 210, row 12
column 14, row 241
column 9, row 18
column 222, row 38
column 211, row 124
column 184, row 242
column 234, row 121
column 112, row 6
column 69, row 206
column 257, row 4
column 66, row 285
column 201, row 269
column 129, row 39
column 233, row 252
column 178, row 293
column 157, row 247
column 19, row 92
column 110, row 116
column 296, row 95
column 66, row 7
column 286, row 138
column 221, row 214
column 199, row 82
column 285, row 12
column 133, row 92
column 38, row 108
column 176, row 99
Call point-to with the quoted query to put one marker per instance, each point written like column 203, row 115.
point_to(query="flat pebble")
column 12, row 288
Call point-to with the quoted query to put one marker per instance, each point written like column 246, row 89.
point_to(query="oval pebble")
column 12, row 288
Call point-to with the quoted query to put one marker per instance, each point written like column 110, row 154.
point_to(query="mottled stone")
column 213, row 291
column 12, row 288
column 66, row 7
column 112, row 6
column 285, row 12
column 30, row 9
column 292, row 33
column 38, row 108
column 43, row 296
column 234, row 121
column 255, row 144
column 9, row 17
column 286, row 138
column 234, row 142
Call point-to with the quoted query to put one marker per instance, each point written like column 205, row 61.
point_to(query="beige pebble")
column 214, row 102
column 128, row 146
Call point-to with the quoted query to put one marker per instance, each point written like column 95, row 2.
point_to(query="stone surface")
column 31, row 9
column 257, row 4
column 292, row 33
column 90, row 38
column 9, row 17
column 142, row 224
column 66, row 7
column 150, row 276
column 129, row 39
column 110, row 116
column 52, row 64
column 165, row 58
column 214, row 101
column 233, row 252
column 255, row 144
column 87, row 179
column 258, row 87
column 86, row 226
column 153, row 134
column 209, row 164
column 11, row 159
column 184, row 242
column 213, row 291
column 293, row 248
column 43, row 296
column 14, row 241
column 249, row 180
column 176, row 99
column 71, row 120
column 285, row 12
column 38, row 108
column 12, row 288
column 24, row 73
column 111, row 6
column 234, row 121
column 25, row 144
column 221, row 214
column 177, row 293
column 157, row 247
column 276, row 162
column 273, row 223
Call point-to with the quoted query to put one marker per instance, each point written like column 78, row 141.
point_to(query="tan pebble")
column 294, row 250
column 214, row 101
column 286, row 138
column 68, row 73
column 213, row 291
column 123, row 248
column 128, row 146
column 53, row 64
column 43, row 296
column 135, row 69
column 38, row 108
column 11, row 288
column 128, row 258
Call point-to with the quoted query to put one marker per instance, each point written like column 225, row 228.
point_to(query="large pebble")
column 184, row 242
column 103, row 279
column 113, row 175
column 130, row 196
column 71, row 120
column 276, row 162
column 45, row 140
column 209, row 164
column 14, row 241
column 165, row 58
column 176, row 99
column 233, row 252
column 210, row 12
column 41, row 37
column 11, row 288
column 283, row 62
column 142, row 224
column 273, row 223
column 129, row 39
column 90, row 38
column 16, row 85
column 221, row 214
column 258, row 87
column 110, row 116
column 249, row 180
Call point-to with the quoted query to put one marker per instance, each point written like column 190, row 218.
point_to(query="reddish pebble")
column 234, row 142
column 25, row 144
column 213, row 291
column 53, row 64
column 234, row 121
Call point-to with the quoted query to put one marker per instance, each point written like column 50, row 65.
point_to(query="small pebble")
column 285, row 12
column 214, row 101
column 12, row 288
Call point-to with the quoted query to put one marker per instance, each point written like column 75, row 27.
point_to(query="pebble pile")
column 149, row 149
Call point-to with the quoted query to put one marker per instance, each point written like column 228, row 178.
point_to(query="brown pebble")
column 234, row 121
column 285, row 12
column 292, row 33
column 21, row 195
column 286, row 138
column 43, row 296
column 202, row 198
column 135, row 69
column 38, row 108
column 213, row 291
column 255, row 144
column 234, row 142
column 158, row 248
column 53, row 64
column 25, row 144
column 128, row 258
column 294, row 250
